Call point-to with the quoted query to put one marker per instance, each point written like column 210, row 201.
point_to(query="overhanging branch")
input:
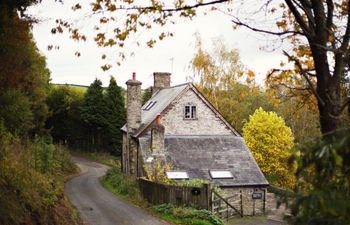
column 305, row 75
column 236, row 21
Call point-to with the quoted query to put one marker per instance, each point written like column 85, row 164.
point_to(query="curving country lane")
column 96, row 205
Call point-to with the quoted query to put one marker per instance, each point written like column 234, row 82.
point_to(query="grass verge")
column 186, row 215
column 101, row 157
column 126, row 188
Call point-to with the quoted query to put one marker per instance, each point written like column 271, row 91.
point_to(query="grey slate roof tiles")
column 163, row 98
column 198, row 154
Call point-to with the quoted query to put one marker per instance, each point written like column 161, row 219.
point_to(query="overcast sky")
column 171, row 55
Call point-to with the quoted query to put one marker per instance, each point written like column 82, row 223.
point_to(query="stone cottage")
column 182, row 128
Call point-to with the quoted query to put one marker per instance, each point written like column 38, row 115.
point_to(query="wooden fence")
column 157, row 193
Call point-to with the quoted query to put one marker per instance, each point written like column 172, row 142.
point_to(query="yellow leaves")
column 270, row 141
column 122, row 36
column 157, row 170
column 331, row 38
column 151, row 43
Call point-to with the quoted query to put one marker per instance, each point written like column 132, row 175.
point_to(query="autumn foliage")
column 271, row 143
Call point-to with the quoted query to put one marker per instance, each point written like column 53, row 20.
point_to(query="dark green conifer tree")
column 93, row 115
column 116, row 116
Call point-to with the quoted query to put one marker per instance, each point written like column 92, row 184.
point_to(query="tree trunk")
column 328, row 90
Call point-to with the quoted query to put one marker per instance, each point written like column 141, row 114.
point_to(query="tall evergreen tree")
column 93, row 114
column 116, row 116
column 65, row 123
column 23, row 72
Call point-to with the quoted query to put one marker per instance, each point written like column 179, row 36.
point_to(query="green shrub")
column 190, row 183
column 29, row 194
column 187, row 215
column 121, row 184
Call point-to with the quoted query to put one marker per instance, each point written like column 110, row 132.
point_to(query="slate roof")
column 198, row 154
column 164, row 97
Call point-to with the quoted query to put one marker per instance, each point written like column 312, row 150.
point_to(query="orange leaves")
column 244, row 94
column 251, row 74
column 75, row 35
column 104, row 20
column 282, row 25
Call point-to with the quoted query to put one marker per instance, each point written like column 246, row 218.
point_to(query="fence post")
column 264, row 201
column 240, row 193
column 208, row 196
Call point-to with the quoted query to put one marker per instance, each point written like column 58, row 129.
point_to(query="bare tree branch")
column 239, row 23
column 330, row 9
column 299, row 18
column 312, row 88
column 185, row 7
column 306, row 7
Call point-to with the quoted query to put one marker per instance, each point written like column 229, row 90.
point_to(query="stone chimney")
column 161, row 80
column 157, row 137
column 133, row 104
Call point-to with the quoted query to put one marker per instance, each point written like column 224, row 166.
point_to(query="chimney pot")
column 158, row 119
column 134, row 76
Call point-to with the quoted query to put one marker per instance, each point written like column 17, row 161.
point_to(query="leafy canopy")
column 271, row 142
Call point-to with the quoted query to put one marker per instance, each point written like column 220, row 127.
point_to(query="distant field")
column 75, row 86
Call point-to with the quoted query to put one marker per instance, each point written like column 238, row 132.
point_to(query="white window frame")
column 192, row 111
column 220, row 174
column 177, row 175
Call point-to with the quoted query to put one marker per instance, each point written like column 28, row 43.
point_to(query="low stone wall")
column 250, row 200
column 157, row 193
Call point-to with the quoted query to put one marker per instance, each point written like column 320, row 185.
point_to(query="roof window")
column 149, row 105
column 220, row 174
column 177, row 175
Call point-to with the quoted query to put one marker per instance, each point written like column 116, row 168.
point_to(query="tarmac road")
column 96, row 205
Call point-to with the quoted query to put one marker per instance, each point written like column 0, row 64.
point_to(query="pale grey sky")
column 65, row 67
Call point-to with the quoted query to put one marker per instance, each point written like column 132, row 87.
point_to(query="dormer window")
column 190, row 111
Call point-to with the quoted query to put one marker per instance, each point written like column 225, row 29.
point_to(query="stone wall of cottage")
column 251, row 206
column 206, row 123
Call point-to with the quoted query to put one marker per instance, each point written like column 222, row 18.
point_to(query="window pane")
column 193, row 112
column 177, row 175
column 217, row 174
column 187, row 112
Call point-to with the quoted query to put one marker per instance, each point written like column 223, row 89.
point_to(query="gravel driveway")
column 96, row 205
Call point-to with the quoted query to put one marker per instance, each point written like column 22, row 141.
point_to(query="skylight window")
column 149, row 105
column 220, row 174
column 177, row 175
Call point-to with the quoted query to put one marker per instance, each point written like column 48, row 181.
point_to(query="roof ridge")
column 178, row 85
